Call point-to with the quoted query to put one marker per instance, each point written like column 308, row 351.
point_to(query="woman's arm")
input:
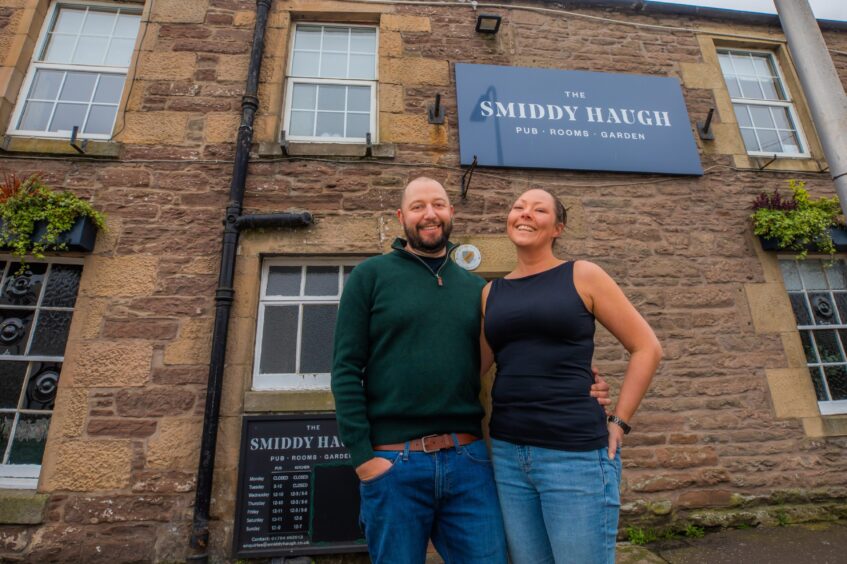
column 486, row 355
column 615, row 312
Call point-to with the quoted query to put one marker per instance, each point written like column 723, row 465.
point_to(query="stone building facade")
column 732, row 430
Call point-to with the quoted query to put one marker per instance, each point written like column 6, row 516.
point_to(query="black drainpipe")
column 224, row 293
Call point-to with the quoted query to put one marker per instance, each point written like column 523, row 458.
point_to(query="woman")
column 556, row 456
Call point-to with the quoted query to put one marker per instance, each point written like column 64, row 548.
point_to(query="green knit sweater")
column 406, row 356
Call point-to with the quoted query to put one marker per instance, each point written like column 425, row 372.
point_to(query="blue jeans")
column 558, row 506
column 447, row 496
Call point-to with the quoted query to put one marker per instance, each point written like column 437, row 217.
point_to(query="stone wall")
column 120, row 465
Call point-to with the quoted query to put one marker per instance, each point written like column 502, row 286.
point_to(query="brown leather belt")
column 431, row 443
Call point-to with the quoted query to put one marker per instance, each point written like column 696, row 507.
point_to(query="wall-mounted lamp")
column 488, row 23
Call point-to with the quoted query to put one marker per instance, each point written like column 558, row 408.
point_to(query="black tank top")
column 543, row 341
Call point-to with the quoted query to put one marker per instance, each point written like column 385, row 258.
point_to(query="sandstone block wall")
column 121, row 460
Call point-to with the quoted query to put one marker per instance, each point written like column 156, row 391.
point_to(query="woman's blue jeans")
column 447, row 496
column 558, row 506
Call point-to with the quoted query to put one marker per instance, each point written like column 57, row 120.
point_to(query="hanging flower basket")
column 35, row 218
column 798, row 223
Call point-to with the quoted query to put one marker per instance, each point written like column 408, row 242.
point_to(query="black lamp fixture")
column 488, row 23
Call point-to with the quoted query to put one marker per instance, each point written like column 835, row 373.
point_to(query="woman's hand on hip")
column 615, row 439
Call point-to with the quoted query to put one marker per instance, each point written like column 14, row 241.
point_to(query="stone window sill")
column 22, row 507
column 35, row 145
column 281, row 400
column 380, row 151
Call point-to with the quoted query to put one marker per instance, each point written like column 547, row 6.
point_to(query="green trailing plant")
column 639, row 536
column 693, row 531
column 25, row 203
column 798, row 222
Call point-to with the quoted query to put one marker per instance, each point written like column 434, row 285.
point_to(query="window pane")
column 359, row 99
column 6, row 422
column 42, row 386
column 23, row 289
column 127, row 25
column 69, row 20
column 78, row 87
column 817, row 381
column 336, row 39
column 733, row 87
column 11, row 382
column 46, row 84
column 318, row 332
column 308, row 37
column 836, row 377
column 62, row 285
column 801, row 310
column 279, row 340
column 841, row 303
column 303, row 96
column 67, row 116
column 330, row 125
column 810, row 271
column 91, row 50
column 760, row 63
column 771, row 89
column 823, row 309
column 60, row 48
column 781, row 118
column 808, row 347
column 14, row 330
column 363, row 40
column 358, row 125
column 321, row 281
column 790, row 275
column 100, row 119
column 51, row 333
column 790, row 142
column 769, row 140
column 284, row 281
column 331, row 97
column 30, row 438
column 743, row 115
column 120, row 52
column 362, row 66
column 334, row 65
column 750, row 88
column 99, row 23
column 302, row 123
column 743, row 64
column 305, row 64
column 762, row 116
column 751, row 142
column 35, row 116
column 828, row 346
column 109, row 88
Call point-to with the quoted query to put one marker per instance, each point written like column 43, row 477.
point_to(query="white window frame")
column 830, row 407
column 35, row 65
column 295, row 380
column 25, row 476
column 292, row 80
column 789, row 103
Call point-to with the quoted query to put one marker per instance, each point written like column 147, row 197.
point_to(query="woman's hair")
column 561, row 213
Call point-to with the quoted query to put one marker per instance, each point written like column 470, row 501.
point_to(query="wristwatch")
column 620, row 423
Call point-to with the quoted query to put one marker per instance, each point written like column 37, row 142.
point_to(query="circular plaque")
column 468, row 257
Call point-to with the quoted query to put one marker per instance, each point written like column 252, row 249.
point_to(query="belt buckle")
column 423, row 444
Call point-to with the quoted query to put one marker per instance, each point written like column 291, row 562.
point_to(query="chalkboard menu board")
column 297, row 491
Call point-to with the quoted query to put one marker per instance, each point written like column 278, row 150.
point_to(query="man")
column 406, row 383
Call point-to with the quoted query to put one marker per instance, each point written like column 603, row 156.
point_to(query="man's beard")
column 416, row 241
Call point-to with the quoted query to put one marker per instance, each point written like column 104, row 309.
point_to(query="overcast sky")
column 824, row 9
